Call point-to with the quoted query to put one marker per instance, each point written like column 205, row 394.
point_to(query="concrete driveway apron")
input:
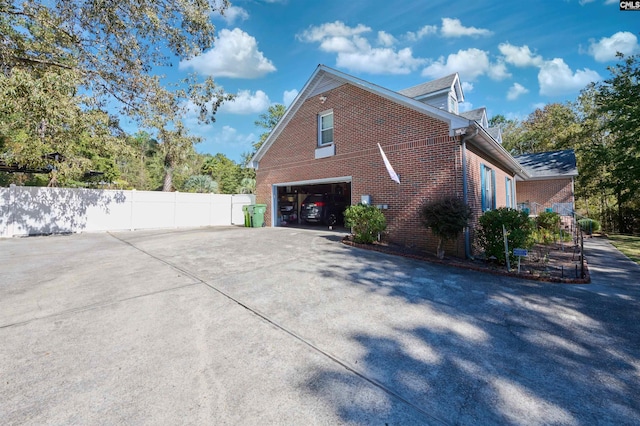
column 287, row 326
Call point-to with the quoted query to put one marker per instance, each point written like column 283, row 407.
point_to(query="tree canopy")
column 64, row 62
column 602, row 126
column 111, row 45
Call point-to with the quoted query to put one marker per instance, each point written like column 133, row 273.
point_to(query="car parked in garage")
column 324, row 208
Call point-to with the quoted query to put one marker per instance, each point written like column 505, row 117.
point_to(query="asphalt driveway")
column 288, row 326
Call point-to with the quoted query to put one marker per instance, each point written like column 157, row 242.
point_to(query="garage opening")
column 319, row 203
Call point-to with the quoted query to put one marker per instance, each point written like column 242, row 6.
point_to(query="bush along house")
column 395, row 150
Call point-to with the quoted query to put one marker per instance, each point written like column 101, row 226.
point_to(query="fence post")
column 133, row 206
column 581, row 254
column 11, row 225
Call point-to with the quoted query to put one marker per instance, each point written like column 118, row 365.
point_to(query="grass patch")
column 628, row 245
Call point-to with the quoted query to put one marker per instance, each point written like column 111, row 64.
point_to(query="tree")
column 201, row 184
column 106, row 50
column 176, row 146
column 140, row 168
column 552, row 128
column 112, row 45
column 247, row 186
column 446, row 218
column 594, row 156
column 224, row 171
column 617, row 98
column 43, row 125
column 512, row 133
column 268, row 121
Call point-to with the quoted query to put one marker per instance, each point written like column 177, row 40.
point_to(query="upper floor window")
column 453, row 104
column 325, row 128
column 488, row 184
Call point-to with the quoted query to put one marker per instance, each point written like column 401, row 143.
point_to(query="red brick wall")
column 419, row 148
column 546, row 192
column 475, row 159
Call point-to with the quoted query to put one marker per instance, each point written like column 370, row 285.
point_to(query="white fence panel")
column 239, row 200
column 109, row 210
column 37, row 210
column 153, row 210
column 5, row 212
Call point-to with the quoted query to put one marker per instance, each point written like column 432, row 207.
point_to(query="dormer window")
column 325, row 128
column 453, row 105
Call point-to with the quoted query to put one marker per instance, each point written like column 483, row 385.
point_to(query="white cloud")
column 386, row 39
column 467, row 87
column 605, row 49
column 380, row 61
column 233, row 13
column 454, row 28
column 516, row 91
column 331, row 29
column 498, row 71
column 465, row 106
column 235, row 54
column 520, row 56
column 355, row 53
column 422, row 32
column 230, row 136
column 555, row 77
column 470, row 64
column 247, row 103
column 288, row 97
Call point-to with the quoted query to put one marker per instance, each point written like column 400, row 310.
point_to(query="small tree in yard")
column 446, row 218
column 366, row 221
column 490, row 237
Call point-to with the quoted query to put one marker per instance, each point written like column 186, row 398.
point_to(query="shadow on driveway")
column 473, row 348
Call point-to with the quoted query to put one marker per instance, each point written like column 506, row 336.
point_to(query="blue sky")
column 512, row 57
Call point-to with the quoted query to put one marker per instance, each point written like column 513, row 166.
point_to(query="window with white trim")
column 325, row 128
column 488, row 187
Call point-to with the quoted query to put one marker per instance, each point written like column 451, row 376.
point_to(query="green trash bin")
column 257, row 217
column 248, row 211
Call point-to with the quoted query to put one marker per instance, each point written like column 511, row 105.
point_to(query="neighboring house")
column 327, row 142
column 550, row 186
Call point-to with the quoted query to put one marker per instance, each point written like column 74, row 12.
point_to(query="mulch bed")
column 554, row 263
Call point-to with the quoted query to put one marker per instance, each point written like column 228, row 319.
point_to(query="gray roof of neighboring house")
column 429, row 87
column 549, row 164
column 474, row 114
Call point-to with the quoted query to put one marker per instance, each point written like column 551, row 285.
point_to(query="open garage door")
column 325, row 199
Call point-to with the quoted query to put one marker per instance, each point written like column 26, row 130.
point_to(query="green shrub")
column 446, row 218
column 549, row 221
column 589, row 225
column 489, row 235
column 365, row 221
column 547, row 227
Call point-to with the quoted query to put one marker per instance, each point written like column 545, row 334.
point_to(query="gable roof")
column 475, row 114
column 324, row 79
column 449, row 82
column 495, row 133
column 547, row 165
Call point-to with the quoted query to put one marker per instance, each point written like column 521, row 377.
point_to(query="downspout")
column 465, row 189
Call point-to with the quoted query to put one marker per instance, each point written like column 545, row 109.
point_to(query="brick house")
column 327, row 142
column 550, row 185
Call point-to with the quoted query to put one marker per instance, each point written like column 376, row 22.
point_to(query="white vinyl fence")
column 37, row 210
